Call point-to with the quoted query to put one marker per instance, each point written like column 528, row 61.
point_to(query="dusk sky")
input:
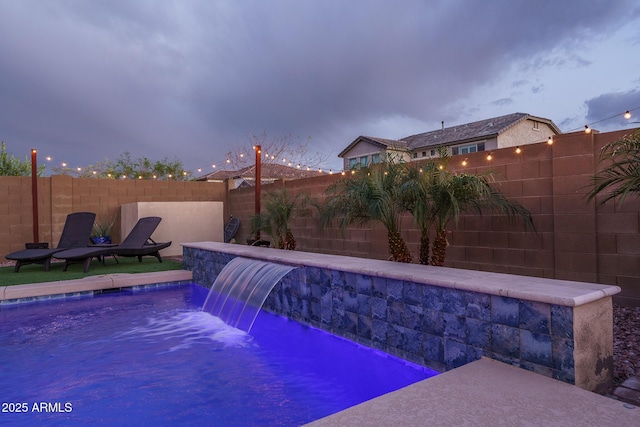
column 84, row 80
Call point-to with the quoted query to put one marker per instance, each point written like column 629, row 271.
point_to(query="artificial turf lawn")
column 34, row 273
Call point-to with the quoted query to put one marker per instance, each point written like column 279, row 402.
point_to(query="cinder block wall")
column 60, row 195
column 574, row 239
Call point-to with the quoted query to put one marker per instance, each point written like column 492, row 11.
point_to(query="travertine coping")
column 487, row 393
column 92, row 283
column 551, row 291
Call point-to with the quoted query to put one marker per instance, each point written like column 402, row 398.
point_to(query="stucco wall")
column 524, row 133
column 181, row 222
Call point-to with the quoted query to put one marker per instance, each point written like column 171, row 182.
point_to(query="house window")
column 424, row 154
column 363, row 161
column 468, row 149
column 536, row 125
column 415, row 155
column 433, row 152
column 353, row 163
column 375, row 158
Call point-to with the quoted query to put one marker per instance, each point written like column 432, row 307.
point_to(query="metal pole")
column 258, row 182
column 34, row 193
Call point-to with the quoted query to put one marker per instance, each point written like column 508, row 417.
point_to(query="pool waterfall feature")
column 240, row 290
column 439, row 317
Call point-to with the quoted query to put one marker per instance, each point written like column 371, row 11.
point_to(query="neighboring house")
column 511, row 130
column 269, row 173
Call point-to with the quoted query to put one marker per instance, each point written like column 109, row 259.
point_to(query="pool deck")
column 484, row 392
column 91, row 283
column 487, row 393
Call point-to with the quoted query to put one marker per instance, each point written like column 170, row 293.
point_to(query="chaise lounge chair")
column 231, row 229
column 138, row 243
column 75, row 234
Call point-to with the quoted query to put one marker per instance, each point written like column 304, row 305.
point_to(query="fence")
column 574, row 239
column 60, row 195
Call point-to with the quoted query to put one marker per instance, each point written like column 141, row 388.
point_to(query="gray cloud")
column 606, row 111
column 190, row 79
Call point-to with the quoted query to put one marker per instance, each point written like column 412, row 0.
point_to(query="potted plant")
column 101, row 233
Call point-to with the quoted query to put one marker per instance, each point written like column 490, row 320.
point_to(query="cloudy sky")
column 87, row 80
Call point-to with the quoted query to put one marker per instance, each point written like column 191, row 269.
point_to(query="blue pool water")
column 153, row 358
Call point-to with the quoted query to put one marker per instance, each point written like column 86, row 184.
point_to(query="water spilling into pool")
column 240, row 290
column 153, row 358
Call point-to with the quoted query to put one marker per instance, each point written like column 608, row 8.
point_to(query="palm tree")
column 370, row 194
column 280, row 208
column 450, row 194
column 415, row 196
column 621, row 175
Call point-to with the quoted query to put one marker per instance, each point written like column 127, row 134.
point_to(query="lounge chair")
column 231, row 229
column 138, row 243
column 75, row 234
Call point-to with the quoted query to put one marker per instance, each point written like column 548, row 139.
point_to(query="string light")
column 550, row 141
column 489, row 157
column 626, row 115
column 464, row 162
column 518, row 150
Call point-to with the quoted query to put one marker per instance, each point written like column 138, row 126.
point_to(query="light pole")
column 34, row 193
column 258, row 149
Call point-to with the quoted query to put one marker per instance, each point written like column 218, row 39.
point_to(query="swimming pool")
column 152, row 357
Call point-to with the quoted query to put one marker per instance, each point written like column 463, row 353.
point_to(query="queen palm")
column 621, row 175
column 450, row 194
column 370, row 194
column 416, row 198
column 280, row 208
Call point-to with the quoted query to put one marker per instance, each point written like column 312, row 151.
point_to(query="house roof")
column 380, row 142
column 268, row 171
column 467, row 132
column 481, row 129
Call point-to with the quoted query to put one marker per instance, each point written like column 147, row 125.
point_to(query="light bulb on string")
column 587, row 129
column 489, row 156
column 518, row 150
column 627, row 115
column 550, row 141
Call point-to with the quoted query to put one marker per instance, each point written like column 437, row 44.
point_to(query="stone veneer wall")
column 438, row 327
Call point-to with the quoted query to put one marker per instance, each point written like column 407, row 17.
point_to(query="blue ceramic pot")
column 101, row 240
